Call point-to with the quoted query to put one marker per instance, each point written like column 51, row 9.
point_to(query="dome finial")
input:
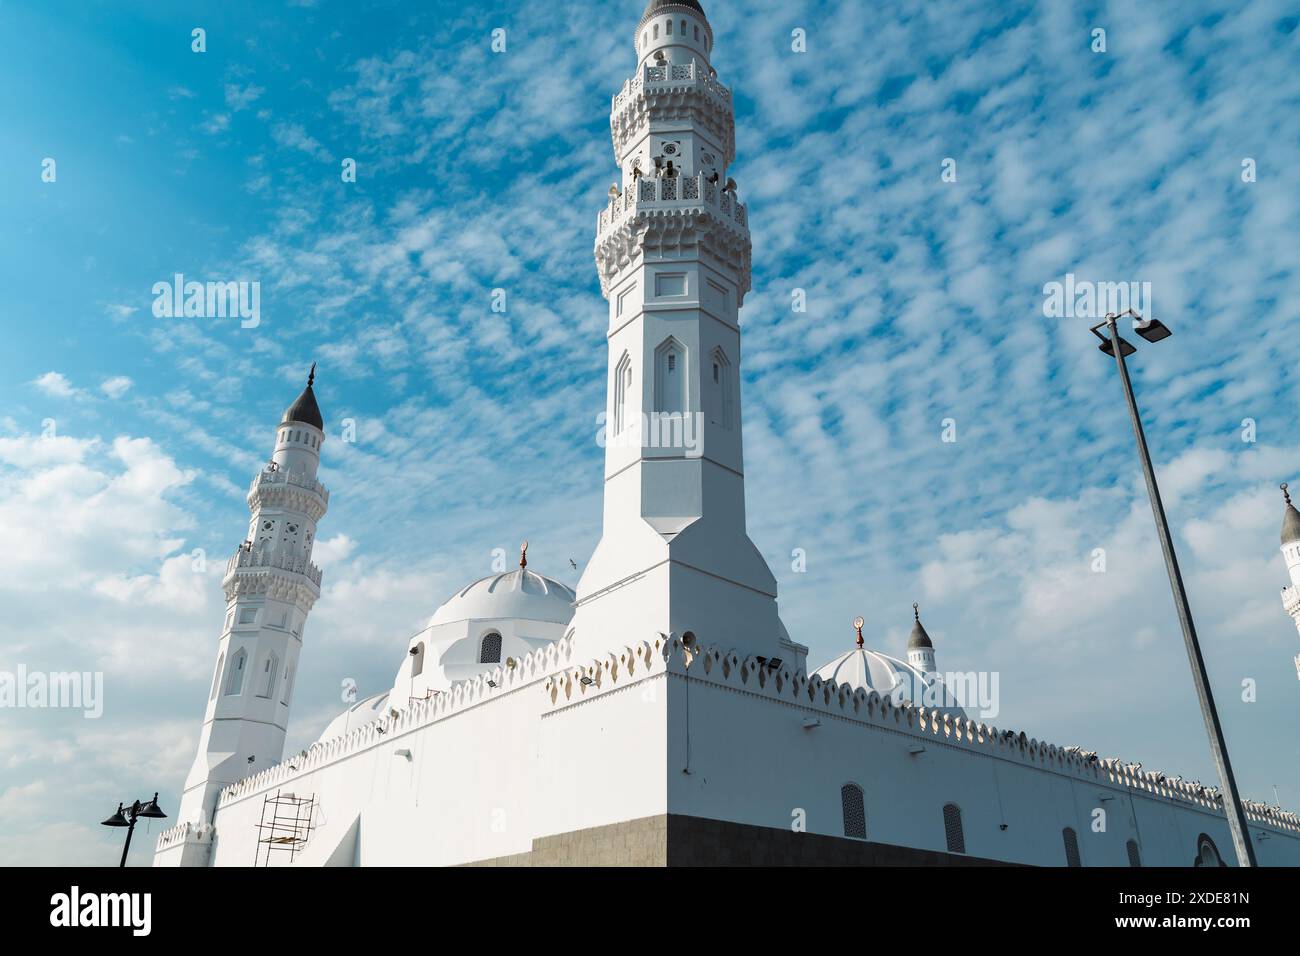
column 916, row 612
column 311, row 376
column 523, row 554
column 1285, row 494
column 857, row 624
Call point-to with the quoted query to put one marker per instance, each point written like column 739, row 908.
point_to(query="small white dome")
column 520, row 595
column 890, row 677
column 359, row 714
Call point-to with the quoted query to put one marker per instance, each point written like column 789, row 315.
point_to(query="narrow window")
column 236, row 682
column 216, row 678
column 697, row 33
column 656, row 31
column 855, row 814
column 952, row 828
column 490, row 650
column 417, row 660
column 622, row 388
column 288, row 685
column 670, row 381
column 669, row 28
column 1071, row 847
column 270, row 670
column 1134, row 857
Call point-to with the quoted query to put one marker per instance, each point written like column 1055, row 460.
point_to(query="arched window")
column 622, row 392
column 235, row 683
column 216, row 677
column 1207, row 854
column 668, row 28
column 288, row 685
column 697, row 33
column 855, row 813
column 952, row 828
column 270, row 671
column 683, row 28
column 670, row 377
column 722, row 397
column 1134, row 856
column 490, row 650
column 417, row 660
column 656, row 31
column 1071, row 847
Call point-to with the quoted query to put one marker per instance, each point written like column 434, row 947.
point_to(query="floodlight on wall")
column 774, row 664
column 585, row 681
column 916, row 749
column 403, row 753
column 811, row 722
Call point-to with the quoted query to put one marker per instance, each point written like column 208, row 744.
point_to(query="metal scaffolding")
column 285, row 825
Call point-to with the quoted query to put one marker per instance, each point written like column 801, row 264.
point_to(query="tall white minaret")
column 673, row 255
column 270, row 586
column 1291, row 554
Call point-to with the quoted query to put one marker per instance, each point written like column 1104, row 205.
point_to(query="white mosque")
column 661, row 714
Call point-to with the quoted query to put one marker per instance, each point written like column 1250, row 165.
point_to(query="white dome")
column 362, row 712
column 890, row 677
column 520, row 595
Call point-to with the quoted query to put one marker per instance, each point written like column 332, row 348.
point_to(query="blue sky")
column 476, row 429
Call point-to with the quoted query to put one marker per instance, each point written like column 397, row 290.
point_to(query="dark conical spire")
column 918, row 637
column 304, row 409
column 1290, row 519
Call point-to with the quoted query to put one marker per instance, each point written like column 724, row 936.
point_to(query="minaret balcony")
column 261, row 560
column 672, row 194
column 282, row 477
column 1291, row 600
column 677, row 93
column 668, row 78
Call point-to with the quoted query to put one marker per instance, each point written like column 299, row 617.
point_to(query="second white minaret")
column 270, row 586
column 1291, row 554
column 673, row 256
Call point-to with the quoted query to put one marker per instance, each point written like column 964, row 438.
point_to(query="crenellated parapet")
column 684, row 94
column 185, row 833
column 507, row 678
column 754, row 676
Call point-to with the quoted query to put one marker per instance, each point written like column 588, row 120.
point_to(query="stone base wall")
column 674, row 840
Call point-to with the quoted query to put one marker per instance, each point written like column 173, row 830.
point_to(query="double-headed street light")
column 1153, row 330
column 126, row 818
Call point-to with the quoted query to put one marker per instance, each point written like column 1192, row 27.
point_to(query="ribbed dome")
column 889, row 677
column 304, row 409
column 516, row 595
column 655, row 6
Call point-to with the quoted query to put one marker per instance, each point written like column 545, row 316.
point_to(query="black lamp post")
column 1153, row 330
column 126, row 818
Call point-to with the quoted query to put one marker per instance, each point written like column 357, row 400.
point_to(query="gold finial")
column 857, row 624
column 1286, row 494
column 523, row 554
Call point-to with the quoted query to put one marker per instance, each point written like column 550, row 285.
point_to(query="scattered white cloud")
column 55, row 384
column 116, row 386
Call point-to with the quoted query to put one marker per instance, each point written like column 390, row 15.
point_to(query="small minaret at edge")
column 673, row 256
column 1291, row 554
column 270, row 585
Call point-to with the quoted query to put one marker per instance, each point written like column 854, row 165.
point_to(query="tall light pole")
column 1153, row 330
column 126, row 818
